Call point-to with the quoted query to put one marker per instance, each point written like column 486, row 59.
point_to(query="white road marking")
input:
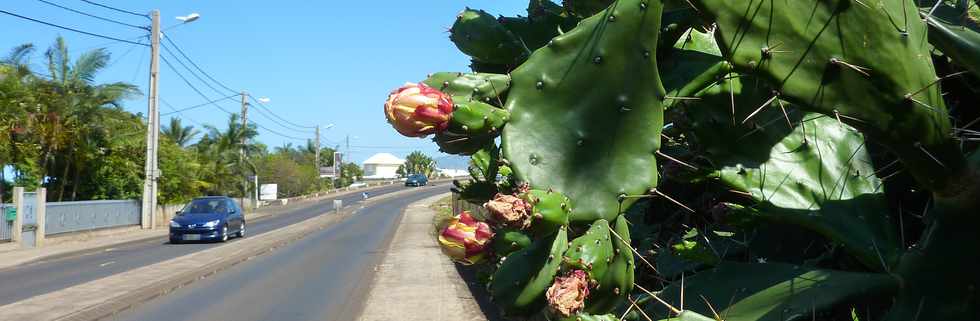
column 107, row 263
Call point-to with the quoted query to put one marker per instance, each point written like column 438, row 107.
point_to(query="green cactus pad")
column 475, row 118
column 592, row 252
column 460, row 143
column 822, row 181
column 771, row 292
column 519, row 284
column 691, row 65
column 616, row 285
column 564, row 128
column 866, row 61
column 955, row 36
column 479, row 35
column 508, row 240
column 464, row 87
column 550, row 211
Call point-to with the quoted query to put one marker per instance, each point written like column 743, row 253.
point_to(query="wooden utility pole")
column 152, row 128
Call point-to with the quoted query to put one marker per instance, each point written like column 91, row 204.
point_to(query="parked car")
column 212, row 218
column 416, row 180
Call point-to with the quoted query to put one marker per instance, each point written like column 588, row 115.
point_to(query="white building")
column 382, row 166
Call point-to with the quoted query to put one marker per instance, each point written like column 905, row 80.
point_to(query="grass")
column 444, row 212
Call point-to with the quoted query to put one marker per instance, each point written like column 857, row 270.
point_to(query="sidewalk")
column 415, row 281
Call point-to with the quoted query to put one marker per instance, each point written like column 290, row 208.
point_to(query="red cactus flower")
column 417, row 110
column 465, row 239
column 510, row 210
column 567, row 295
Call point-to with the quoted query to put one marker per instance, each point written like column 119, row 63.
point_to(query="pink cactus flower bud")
column 417, row 110
column 567, row 295
column 509, row 210
column 465, row 239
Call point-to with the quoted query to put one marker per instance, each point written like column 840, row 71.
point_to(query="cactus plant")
column 519, row 284
column 775, row 115
column 613, row 129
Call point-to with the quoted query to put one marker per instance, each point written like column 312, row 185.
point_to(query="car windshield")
column 205, row 206
column 416, row 176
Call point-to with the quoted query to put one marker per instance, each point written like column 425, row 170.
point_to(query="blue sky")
column 320, row 62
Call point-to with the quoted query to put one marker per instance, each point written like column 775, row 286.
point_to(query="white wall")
column 380, row 171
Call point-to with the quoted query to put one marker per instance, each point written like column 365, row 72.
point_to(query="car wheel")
column 174, row 241
column 241, row 231
column 224, row 233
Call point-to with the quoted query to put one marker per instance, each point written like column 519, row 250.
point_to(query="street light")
column 264, row 100
column 189, row 18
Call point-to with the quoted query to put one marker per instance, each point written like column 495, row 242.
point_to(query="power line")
column 198, row 105
column 181, row 62
column 277, row 116
column 117, row 9
column 263, row 113
column 92, row 15
column 70, row 29
column 189, row 84
column 172, row 43
column 178, row 111
column 208, row 76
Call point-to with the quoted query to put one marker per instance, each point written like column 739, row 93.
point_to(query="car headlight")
column 174, row 224
column 212, row 223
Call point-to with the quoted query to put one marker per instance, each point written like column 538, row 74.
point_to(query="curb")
column 125, row 300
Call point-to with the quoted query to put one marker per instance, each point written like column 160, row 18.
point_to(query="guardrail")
column 65, row 217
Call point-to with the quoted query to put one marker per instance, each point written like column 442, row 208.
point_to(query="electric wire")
column 222, row 85
column 178, row 111
column 172, row 43
column 117, row 9
column 92, row 15
column 198, row 105
column 181, row 62
column 219, row 92
column 71, row 29
column 198, row 91
column 277, row 116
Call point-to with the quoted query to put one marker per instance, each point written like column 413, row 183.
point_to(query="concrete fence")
column 67, row 217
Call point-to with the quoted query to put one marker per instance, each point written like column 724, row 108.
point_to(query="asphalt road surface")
column 323, row 276
column 25, row 281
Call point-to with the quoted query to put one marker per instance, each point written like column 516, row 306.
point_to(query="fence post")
column 15, row 232
column 40, row 211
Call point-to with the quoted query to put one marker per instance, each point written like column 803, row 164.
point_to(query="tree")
column 417, row 163
column 178, row 133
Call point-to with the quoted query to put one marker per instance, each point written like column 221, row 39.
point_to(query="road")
column 55, row 274
column 323, row 276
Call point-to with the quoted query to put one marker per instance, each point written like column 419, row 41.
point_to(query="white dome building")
column 382, row 166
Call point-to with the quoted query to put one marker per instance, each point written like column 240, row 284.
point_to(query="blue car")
column 416, row 180
column 212, row 218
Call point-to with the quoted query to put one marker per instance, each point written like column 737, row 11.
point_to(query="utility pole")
column 316, row 154
column 149, row 207
column 241, row 149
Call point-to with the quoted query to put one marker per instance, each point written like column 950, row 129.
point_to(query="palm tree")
column 417, row 163
column 179, row 134
column 76, row 107
column 222, row 154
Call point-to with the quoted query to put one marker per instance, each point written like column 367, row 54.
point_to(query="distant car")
column 416, row 180
column 212, row 218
